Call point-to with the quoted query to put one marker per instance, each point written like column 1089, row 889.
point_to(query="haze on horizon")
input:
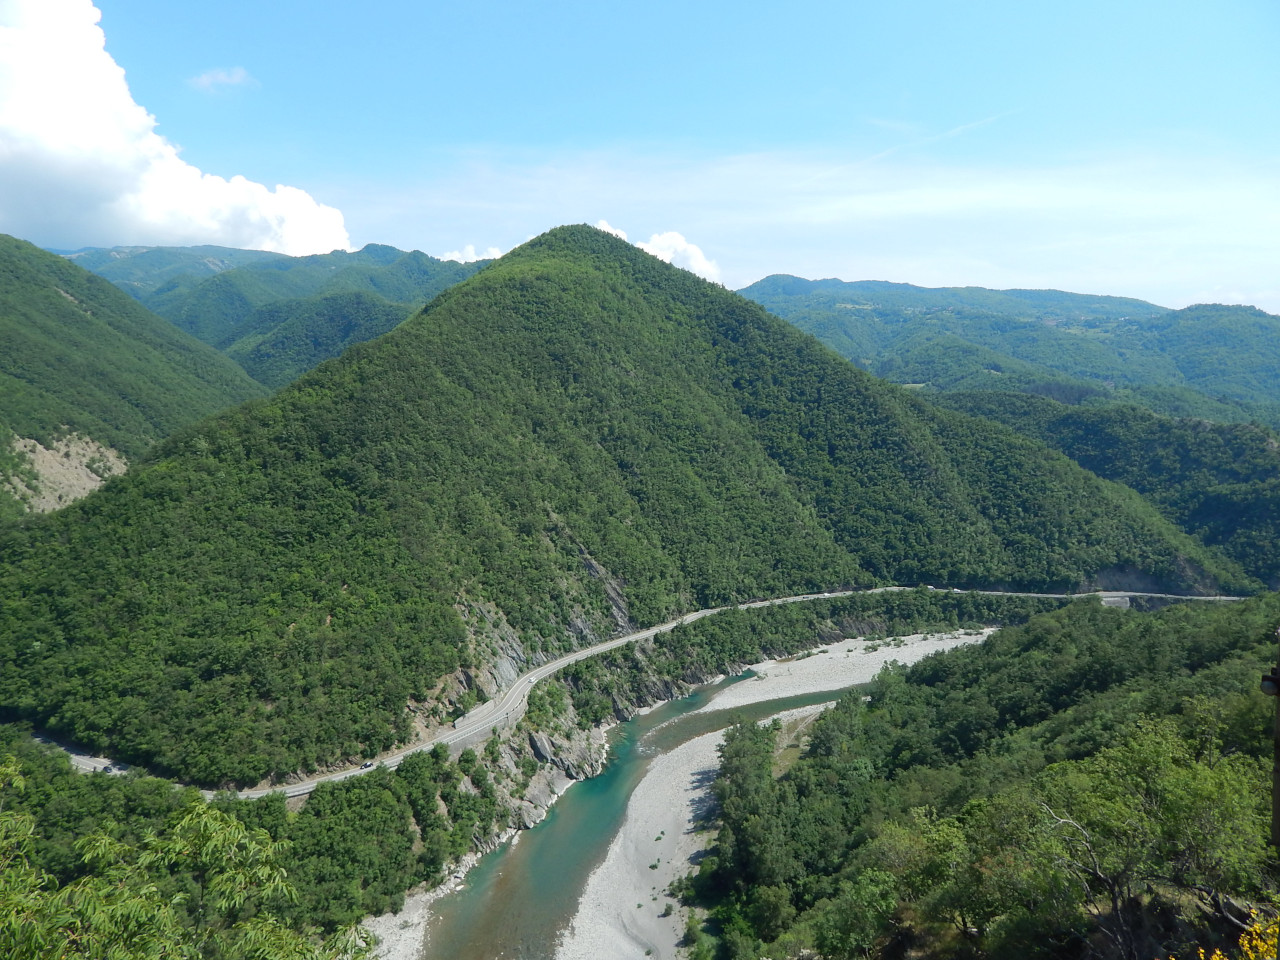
column 1127, row 151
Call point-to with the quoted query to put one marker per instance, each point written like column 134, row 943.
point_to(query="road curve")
column 505, row 711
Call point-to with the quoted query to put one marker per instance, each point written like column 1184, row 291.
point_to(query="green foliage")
column 285, row 338
column 1083, row 775
column 610, row 685
column 78, row 356
column 352, row 850
column 139, row 271
column 120, row 908
column 578, row 436
column 1213, row 362
column 219, row 298
column 848, row 925
column 1220, row 482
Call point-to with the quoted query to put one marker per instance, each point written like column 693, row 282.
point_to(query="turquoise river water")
column 519, row 898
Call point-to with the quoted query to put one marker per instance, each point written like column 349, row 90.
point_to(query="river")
column 518, row 900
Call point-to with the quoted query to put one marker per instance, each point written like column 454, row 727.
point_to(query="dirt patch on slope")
column 72, row 468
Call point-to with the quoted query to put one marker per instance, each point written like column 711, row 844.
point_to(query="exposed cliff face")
column 564, row 752
column 563, row 758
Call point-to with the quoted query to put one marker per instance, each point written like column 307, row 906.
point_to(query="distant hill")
column 578, row 437
column 234, row 299
column 88, row 378
column 1071, row 347
column 140, row 271
column 282, row 340
column 1220, row 482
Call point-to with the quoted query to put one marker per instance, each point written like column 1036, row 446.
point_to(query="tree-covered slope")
column 1213, row 362
column 1045, row 305
column 1220, row 482
column 78, row 356
column 218, row 308
column 284, row 339
column 1227, row 351
column 140, row 271
column 1094, row 783
column 278, row 316
column 578, row 435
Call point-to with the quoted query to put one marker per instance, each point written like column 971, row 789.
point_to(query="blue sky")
column 1121, row 148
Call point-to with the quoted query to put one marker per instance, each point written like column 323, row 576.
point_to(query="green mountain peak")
column 577, row 437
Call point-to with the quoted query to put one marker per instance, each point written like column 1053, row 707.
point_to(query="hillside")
column 1219, row 482
column 576, row 437
column 1093, row 783
column 183, row 284
column 282, row 340
column 140, row 271
column 1071, row 347
column 278, row 316
column 87, row 372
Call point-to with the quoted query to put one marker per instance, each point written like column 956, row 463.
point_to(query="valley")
column 375, row 620
column 479, row 724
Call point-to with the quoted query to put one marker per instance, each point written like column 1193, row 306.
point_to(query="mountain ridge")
column 1072, row 347
column 80, row 359
column 575, row 434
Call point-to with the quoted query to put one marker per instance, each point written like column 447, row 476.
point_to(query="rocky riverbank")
column 620, row 914
column 664, row 834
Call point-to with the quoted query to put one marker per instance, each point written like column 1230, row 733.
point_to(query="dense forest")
column 284, row 339
column 1210, row 361
column 79, row 357
column 1092, row 782
column 87, row 852
column 1219, row 482
column 95, row 863
column 930, row 818
column 278, row 316
column 578, row 436
column 580, row 439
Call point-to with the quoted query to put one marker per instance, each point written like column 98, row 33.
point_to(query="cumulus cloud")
column 468, row 254
column 223, row 77
column 676, row 250
column 81, row 162
column 673, row 248
column 605, row 226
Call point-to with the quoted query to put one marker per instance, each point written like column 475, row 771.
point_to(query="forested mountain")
column 1219, row 482
column 1094, row 783
column 282, row 340
column 140, row 271
column 216, row 309
column 278, row 316
column 577, row 436
column 79, row 359
column 1214, row 362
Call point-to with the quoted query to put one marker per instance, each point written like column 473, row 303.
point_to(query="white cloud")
column 223, row 77
column 81, row 163
column 675, row 249
column 605, row 226
column 468, row 254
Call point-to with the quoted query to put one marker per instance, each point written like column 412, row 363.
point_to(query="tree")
column 848, row 926
column 125, row 908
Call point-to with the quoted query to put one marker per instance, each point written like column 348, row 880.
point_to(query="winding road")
column 478, row 725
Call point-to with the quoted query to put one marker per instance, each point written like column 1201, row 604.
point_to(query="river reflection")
column 519, row 899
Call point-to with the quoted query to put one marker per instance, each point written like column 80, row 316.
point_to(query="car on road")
column 366, row 765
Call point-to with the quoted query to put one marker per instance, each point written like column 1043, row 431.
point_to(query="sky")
column 1123, row 147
